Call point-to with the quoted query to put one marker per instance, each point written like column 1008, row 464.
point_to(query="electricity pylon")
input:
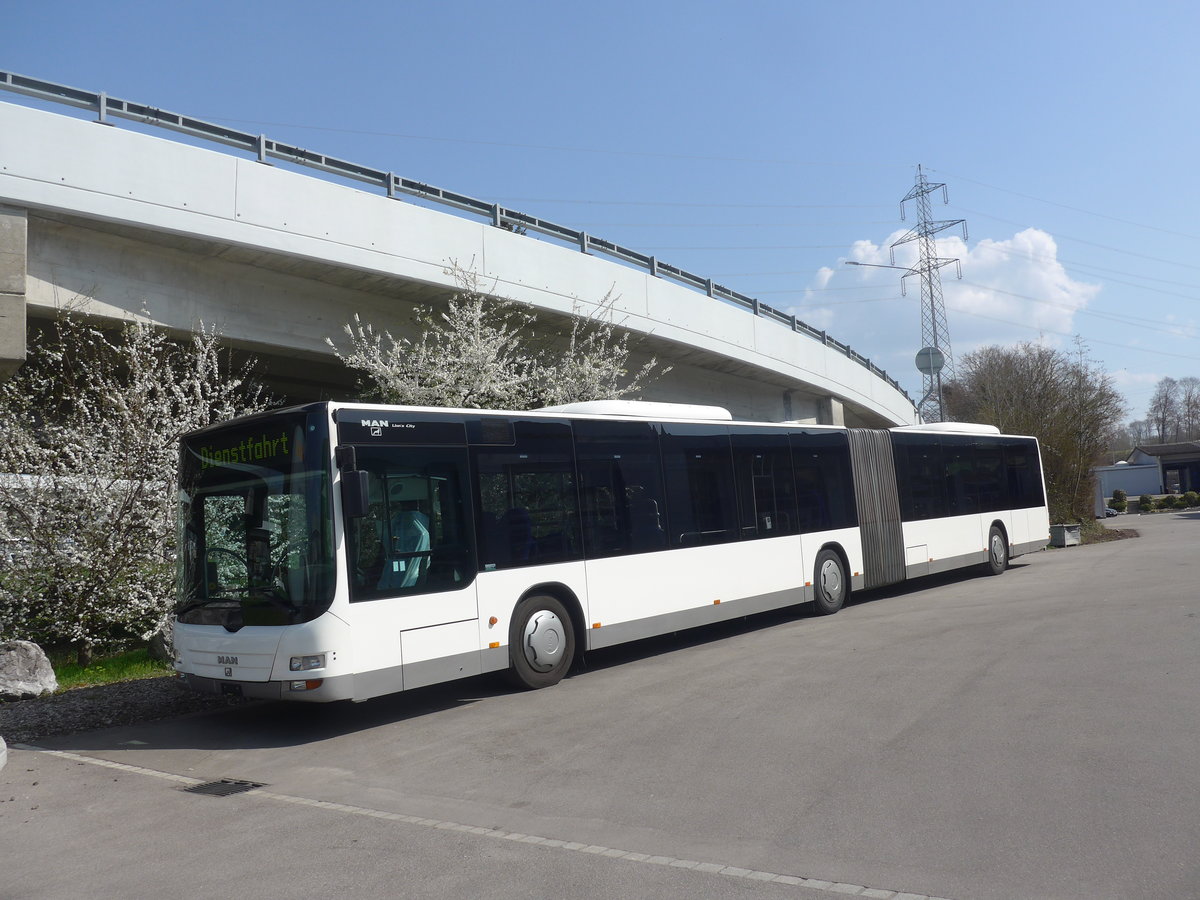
column 934, row 359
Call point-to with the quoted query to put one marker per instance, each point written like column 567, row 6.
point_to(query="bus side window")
column 621, row 486
column 813, row 508
column 824, row 486
column 766, row 488
column 920, row 477
column 990, row 477
column 527, row 501
column 1024, row 477
column 407, row 537
column 701, row 505
column 414, row 537
column 958, row 456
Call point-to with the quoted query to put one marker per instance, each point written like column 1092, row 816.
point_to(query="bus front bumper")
column 322, row 690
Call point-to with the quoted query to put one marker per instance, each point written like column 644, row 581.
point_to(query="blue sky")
column 760, row 143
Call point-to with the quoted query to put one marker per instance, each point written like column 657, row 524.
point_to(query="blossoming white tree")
column 87, row 499
column 486, row 351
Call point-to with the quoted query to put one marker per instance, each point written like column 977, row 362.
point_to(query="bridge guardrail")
column 265, row 148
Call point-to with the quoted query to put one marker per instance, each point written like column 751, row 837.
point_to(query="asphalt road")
column 1034, row 735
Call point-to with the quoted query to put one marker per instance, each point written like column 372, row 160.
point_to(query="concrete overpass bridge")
column 150, row 226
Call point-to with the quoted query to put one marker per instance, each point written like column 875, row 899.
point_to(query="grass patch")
column 128, row 666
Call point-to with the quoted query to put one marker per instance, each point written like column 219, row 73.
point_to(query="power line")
column 757, row 274
column 1154, row 350
column 1020, row 254
column 1041, row 257
column 725, row 224
column 1158, row 325
column 728, row 248
column 691, row 204
column 1120, row 318
column 1102, row 272
column 607, row 151
column 813, row 290
column 800, row 305
column 1078, row 240
column 1087, row 212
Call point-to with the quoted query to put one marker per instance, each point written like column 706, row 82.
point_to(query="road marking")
column 843, row 889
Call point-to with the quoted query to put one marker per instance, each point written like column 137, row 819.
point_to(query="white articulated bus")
column 344, row 551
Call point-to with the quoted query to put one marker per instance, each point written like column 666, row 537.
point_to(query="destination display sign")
column 266, row 447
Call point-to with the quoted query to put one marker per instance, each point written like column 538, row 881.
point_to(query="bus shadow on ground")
column 266, row 724
column 646, row 648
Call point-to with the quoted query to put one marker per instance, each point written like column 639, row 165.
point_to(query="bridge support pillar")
column 13, row 267
column 830, row 411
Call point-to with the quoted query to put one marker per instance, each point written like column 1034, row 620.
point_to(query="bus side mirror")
column 354, row 494
column 345, row 457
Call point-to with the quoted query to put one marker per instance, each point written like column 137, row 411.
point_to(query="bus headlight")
column 304, row 663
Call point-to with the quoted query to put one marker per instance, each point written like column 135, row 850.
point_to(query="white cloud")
column 1131, row 381
column 1176, row 326
column 1019, row 280
column 1137, row 388
column 1012, row 290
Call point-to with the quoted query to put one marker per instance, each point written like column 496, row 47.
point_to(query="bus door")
column 411, row 552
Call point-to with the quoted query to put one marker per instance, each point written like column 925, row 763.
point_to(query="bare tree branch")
column 1065, row 400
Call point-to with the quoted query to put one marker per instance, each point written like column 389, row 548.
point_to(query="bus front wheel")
column 541, row 643
column 829, row 583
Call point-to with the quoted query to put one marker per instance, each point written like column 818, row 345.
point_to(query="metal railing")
column 265, row 148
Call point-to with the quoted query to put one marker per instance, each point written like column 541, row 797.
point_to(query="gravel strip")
column 103, row 706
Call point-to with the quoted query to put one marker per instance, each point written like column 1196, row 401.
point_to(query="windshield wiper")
column 209, row 602
column 278, row 602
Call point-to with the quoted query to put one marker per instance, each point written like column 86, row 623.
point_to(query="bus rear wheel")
column 997, row 552
column 829, row 583
column 541, row 643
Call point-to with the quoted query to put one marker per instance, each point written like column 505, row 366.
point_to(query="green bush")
column 1145, row 502
column 1179, row 502
column 1167, row 502
column 1119, row 505
column 1191, row 498
column 1119, row 496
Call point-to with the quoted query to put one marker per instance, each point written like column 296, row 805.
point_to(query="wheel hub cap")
column 831, row 580
column 544, row 641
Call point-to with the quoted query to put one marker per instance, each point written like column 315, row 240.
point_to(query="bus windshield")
column 256, row 546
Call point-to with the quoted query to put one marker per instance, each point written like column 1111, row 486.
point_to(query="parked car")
column 1109, row 511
